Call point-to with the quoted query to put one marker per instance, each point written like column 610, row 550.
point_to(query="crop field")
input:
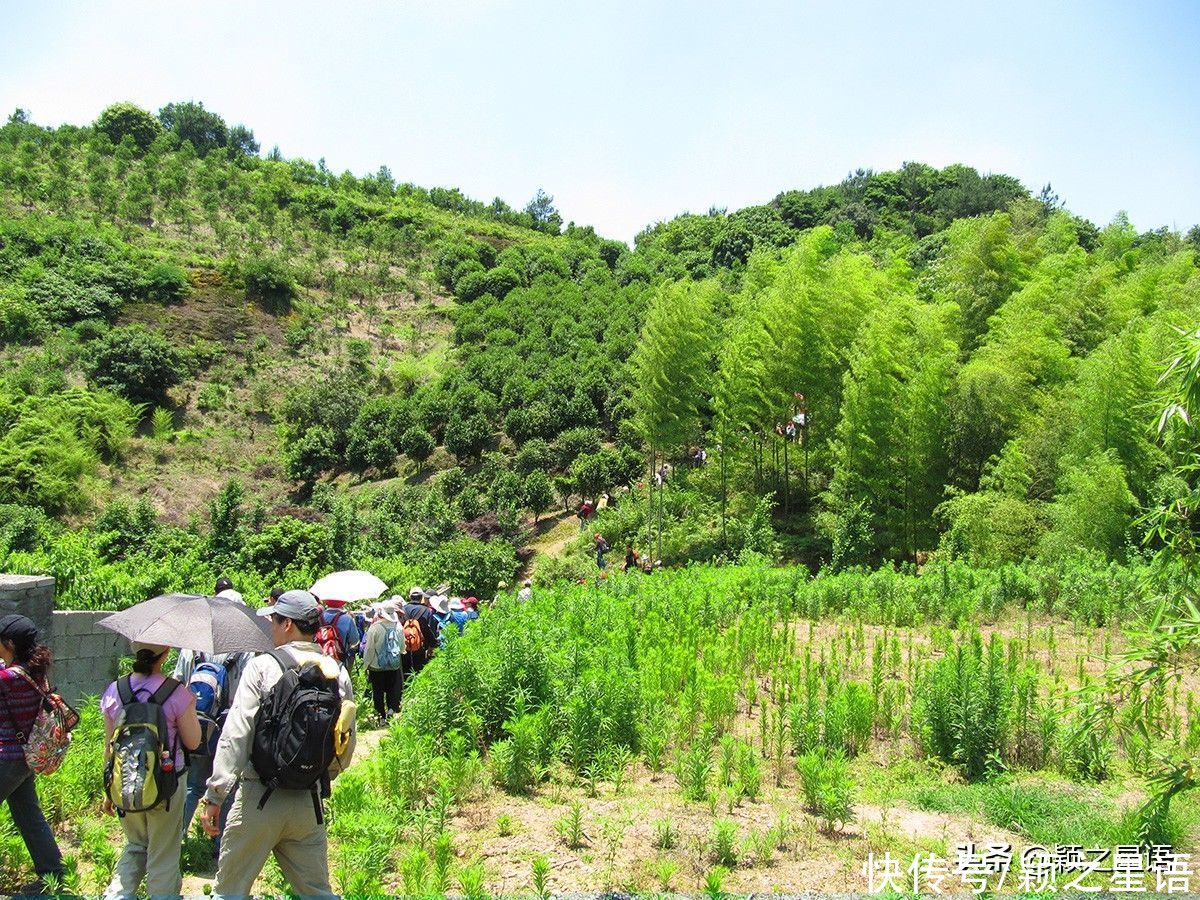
column 735, row 730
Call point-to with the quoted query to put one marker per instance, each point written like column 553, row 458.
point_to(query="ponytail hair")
column 143, row 661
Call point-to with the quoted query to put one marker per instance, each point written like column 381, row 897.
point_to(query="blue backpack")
column 391, row 650
column 210, row 684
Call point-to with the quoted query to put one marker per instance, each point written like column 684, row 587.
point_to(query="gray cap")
column 293, row 605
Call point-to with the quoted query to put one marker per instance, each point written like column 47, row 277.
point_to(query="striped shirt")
column 19, row 705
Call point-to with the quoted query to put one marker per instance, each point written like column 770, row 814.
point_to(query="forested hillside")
column 217, row 359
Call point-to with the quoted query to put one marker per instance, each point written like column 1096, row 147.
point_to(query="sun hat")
column 299, row 605
column 157, row 649
column 415, row 591
column 440, row 603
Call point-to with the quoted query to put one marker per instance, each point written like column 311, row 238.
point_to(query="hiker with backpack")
column 601, row 548
column 463, row 610
column 421, row 643
column 384, row 657
column 213, row 678
column 149, row 725
column 289, row 732
column 338, row 635
column 23, row 686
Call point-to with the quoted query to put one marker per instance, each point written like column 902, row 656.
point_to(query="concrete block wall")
column 85, row 655
column 29, row 595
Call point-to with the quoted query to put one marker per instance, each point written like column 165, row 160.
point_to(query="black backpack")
column 140, row 772
column 293, row 734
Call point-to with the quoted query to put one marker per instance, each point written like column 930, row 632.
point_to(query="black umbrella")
column 192, row 622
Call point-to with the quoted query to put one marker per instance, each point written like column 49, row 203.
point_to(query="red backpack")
column 328, row 638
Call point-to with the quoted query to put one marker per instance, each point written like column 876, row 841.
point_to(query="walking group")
column 250, row 731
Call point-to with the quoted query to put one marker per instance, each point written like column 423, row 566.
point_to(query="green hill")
column 357, row 367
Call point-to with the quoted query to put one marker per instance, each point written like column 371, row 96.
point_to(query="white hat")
column 440, row 603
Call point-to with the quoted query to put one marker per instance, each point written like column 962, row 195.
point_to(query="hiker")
column 384, row 657
column 142, row 771
column 213, row 679
column 464, row 610
column 586, row 508
column 23, row 679
column 440, row 604
column 525, row 594
column 601, row 548
column 296, row 681
column 338, row 635
column 417, row 610
column 632, row 560
column 224, row 588
column 276, row 593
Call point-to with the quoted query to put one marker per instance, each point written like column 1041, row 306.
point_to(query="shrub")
column 964, row 713
column 286, row 544
column 269, row 280
column 307, row 456
column 63, row 300
column 825, row 783
column 135, row 363
column 21, row 320
column 499, row 281
column 473, row 568
column 164, row 282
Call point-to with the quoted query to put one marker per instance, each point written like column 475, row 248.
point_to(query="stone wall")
column 29, row 595
column 85, row 655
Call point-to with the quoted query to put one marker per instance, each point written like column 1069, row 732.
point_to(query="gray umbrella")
column 192, row 622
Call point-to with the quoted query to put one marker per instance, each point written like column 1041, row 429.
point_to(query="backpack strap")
column 125, row 690
column 164, row 692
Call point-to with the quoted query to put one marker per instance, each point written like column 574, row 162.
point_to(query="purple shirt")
column 143, row 687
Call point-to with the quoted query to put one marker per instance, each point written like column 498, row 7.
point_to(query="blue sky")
column 632, row 112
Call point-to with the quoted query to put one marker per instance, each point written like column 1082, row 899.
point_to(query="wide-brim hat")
column 440, row 603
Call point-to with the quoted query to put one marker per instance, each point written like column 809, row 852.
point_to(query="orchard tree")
column 538, row 493
column 418, row 445
column 123, row 119
column 190, row 121
column 135, row 363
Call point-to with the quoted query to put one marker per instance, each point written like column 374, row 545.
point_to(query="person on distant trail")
column 275, row 594
column 286, row 821
column 23, row 678
column 464, row 610
column 601, row 548
column 417, row 609
column 525, row 594
column 383, row 657
column 151, row 834
column 631, row 559
column 586, row 508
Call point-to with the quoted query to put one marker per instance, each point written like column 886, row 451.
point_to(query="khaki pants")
column 151, row 851
column 288, row 826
